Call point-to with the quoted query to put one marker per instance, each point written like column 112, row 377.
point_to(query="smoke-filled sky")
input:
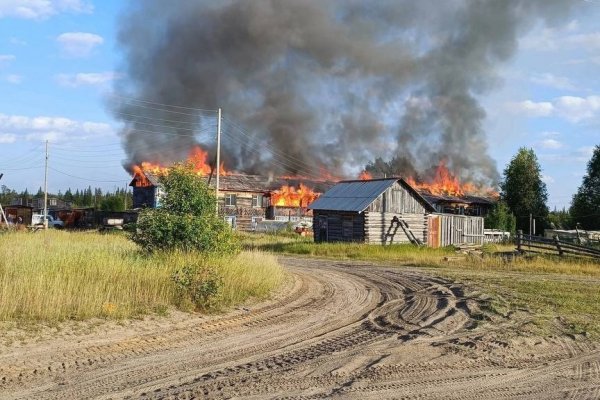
column 305, row 86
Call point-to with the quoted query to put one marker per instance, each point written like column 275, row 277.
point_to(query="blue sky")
column 59, row 61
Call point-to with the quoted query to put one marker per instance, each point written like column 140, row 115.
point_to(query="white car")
column 38, row 219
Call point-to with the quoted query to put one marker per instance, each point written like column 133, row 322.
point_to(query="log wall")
column 243, row 211
column 338, row 226
column 382, row 228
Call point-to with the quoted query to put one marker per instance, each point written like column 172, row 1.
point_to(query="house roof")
column 357, row 195
column 249, row 183
column 466, row 199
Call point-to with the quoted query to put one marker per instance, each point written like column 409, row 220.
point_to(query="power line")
column 161, row 104
column 85, row 179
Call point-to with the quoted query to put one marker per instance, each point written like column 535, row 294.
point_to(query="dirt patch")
column 338, row 329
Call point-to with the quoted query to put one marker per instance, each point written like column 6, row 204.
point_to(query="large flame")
column 290, row 196
column 365, row 176
column 198, row 157
column 445, row 183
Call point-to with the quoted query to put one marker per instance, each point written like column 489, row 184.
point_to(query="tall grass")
column 58, row 275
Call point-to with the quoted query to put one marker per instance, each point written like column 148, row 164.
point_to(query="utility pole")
column 530, row 224
column 46, row 189
column 2, row 214
column 125, row 198
column 218, row 160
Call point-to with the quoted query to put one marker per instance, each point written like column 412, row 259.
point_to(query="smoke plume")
column 308, row 86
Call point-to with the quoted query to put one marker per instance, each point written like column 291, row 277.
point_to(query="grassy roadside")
column 551, row 288
column 55, row 276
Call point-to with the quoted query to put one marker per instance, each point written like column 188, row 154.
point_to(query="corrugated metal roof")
column 352, row 196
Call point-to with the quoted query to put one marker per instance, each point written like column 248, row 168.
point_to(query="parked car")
column 38, row 219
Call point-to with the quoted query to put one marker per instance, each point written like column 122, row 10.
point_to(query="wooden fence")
column 537, row 244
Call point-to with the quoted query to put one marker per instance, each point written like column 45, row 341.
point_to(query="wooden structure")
column 18, row 214
column 388, row 211
column 378, row 211
column 542, row 245
column 476, row 206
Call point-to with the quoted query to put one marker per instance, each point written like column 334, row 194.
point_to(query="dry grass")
column 54, row 276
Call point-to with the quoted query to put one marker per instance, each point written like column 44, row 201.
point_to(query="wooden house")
column 388, row 211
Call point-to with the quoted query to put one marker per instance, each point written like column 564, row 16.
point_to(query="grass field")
column 57, row 275
column 550, row 287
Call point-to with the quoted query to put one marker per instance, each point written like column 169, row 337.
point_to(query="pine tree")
column 585, row 208
column 524, row 191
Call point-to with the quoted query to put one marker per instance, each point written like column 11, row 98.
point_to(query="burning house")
column 244, row 200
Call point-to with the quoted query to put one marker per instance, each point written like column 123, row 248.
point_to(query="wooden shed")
column 387, row 211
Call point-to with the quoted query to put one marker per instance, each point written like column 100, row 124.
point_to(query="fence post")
column 519, row 239
column 557, row 242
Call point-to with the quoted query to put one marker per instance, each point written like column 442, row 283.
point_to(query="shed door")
column 433, row 231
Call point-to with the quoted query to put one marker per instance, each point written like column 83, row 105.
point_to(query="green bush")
column 186, row 220
column 200, row 285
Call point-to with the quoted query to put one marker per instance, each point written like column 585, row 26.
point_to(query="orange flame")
column 365, row 176
column 444, row 183
column 198, row 157
column 289, row 196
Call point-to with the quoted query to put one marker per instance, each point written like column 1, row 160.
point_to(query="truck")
column 38, row 219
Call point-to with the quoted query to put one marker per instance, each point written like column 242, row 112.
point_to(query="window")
column 230, row 219
column 52, row 202
column 257, row 200
column 230, row 200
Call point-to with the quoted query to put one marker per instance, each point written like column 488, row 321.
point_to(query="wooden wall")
column 383, row 228
column 242, row 211
column 397, row 199
column 449, row 229
column 338, row 226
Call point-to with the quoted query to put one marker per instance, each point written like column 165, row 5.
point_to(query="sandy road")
column 339, row 329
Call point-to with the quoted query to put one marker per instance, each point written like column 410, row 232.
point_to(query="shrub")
column 200, row 285
column 186, row 219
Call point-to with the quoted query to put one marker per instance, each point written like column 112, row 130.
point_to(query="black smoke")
column 313, row 85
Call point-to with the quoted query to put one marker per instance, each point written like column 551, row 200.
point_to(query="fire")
column 444, row 183
column 289, row 196
column 365, row 176
column 198, row 157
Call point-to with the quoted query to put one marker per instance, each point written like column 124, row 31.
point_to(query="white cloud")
column 78, row 44
column 6, row 58
column 589, row 41
column 553, row 81
column 17, row 41
column 90, row 79
column 531, row 108
column 572, row 108
column 550, row 144
column 549, row 134
column 52, row 128
column 8, row 138
column 15, row 79
column 42, row 9
column 547, row 179
column 576, row 109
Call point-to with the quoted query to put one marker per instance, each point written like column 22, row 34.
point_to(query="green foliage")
column 186, row 220
column 500, row 217
column 524, row 191
column 585, row 208
column 160, row 229
column 112, row 203
column 200, row 285
column 560, row 219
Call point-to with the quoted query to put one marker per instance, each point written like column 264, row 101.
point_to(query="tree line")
column 524, row 195
column 117, row 200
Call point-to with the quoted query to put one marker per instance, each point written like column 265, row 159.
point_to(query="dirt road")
column 339, row 329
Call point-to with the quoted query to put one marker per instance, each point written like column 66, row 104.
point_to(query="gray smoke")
column 309, row 85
